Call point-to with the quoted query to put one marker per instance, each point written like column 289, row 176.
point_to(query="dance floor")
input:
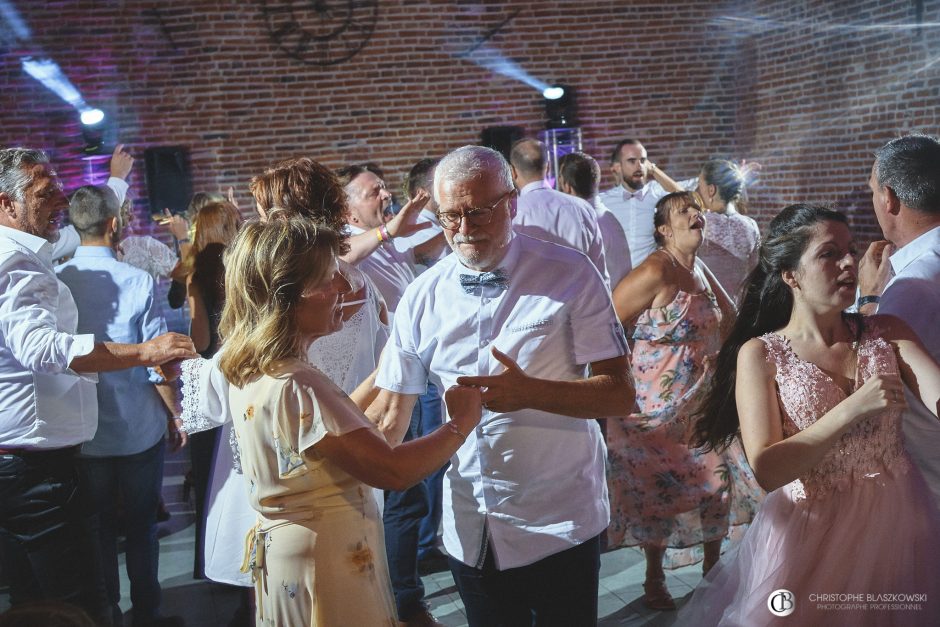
column 204, row 604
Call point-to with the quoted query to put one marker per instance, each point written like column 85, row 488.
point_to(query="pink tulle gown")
column 855, row 540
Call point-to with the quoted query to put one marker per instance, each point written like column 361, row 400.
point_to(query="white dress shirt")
column 913, row 295
column 389, row 268
column 616, row 247
column 43, row 404
column 634, row 210
column 547, row 214
column 531, row 482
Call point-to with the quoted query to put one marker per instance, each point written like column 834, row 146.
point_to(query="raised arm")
column 664, row 179
column 402, row 225
column 608, row 391
column 776, row 460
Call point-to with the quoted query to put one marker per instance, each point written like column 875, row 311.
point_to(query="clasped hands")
column 504, row 392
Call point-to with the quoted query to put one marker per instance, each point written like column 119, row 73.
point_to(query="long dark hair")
column 765, row 306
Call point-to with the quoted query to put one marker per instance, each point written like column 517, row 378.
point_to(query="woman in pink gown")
column 847, row 535
column 663, row 494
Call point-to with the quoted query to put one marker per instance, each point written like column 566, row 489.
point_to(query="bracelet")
column 378, row 234
column 185, row 240
column 384, row 231
column 453, row 429
column 865, row 300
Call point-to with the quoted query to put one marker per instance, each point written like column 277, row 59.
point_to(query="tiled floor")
column 204, row 604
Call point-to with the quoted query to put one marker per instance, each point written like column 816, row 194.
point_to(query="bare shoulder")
column 754, row 357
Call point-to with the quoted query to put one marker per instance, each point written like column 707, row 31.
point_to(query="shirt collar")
column 532, row 186
column 94, row 251
column 38, row 245
column 906, row 255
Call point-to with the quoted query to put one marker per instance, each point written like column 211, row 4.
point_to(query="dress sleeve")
column 205, row 395
column 162, row 258
column 310, row 408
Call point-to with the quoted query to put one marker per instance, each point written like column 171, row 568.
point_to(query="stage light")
column 554, row 92
column 90, row 117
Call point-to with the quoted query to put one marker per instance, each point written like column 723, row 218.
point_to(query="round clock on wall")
column 320, row 32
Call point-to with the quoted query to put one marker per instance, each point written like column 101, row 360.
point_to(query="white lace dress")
column 346, row 358
column 730, row 248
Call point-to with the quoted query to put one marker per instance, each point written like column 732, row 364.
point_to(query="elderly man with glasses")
column 531, row 323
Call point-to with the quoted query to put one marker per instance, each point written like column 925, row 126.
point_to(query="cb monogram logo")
column 781, row 602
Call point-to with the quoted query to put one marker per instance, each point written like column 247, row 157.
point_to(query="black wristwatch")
column 871, row 298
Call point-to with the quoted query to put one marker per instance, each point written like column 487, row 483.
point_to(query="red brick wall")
column 788, row 88
column 831, row 82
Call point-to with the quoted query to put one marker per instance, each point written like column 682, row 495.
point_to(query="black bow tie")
column 497, row 278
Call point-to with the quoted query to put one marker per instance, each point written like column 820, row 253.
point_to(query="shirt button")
column 483, row 343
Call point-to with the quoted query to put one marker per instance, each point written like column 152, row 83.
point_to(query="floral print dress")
column 661, row 491
column 317, row 554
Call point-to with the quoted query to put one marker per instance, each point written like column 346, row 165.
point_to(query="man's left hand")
column 504, row 392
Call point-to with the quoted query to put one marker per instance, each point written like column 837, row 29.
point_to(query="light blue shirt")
column 116, row 303
column 549, row 215
column 530, row 481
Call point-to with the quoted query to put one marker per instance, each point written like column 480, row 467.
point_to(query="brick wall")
column 785, row 83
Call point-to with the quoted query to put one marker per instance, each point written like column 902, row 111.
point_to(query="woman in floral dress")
column 317, row 553
column 664, row 494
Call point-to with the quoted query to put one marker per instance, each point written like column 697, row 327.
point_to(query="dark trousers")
column 401, row 518
column 49, row 541
column 557, row 591
column 135, row 480
column 202, row 448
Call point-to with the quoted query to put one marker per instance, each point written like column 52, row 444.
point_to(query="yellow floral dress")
column 317, row 554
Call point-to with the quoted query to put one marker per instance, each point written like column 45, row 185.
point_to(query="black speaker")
column 501, row 138
column 169, row 181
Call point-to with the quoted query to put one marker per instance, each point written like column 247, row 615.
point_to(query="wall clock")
column 320, row 32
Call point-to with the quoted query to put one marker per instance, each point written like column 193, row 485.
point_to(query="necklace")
column 679, row 264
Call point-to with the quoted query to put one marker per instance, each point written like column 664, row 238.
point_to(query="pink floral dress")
column 854, row 540
column 661, row 491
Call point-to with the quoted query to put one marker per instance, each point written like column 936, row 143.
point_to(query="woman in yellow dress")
column 317, row 553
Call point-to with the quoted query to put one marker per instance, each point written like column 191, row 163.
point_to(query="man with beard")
column 530, row 322
column 640, row 185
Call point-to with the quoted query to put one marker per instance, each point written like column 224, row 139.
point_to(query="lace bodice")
column 865, row 452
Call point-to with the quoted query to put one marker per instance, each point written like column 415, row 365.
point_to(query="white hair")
column 15, row 166
column 468, row 163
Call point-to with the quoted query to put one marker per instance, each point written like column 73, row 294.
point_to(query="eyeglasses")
column 450, row 220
